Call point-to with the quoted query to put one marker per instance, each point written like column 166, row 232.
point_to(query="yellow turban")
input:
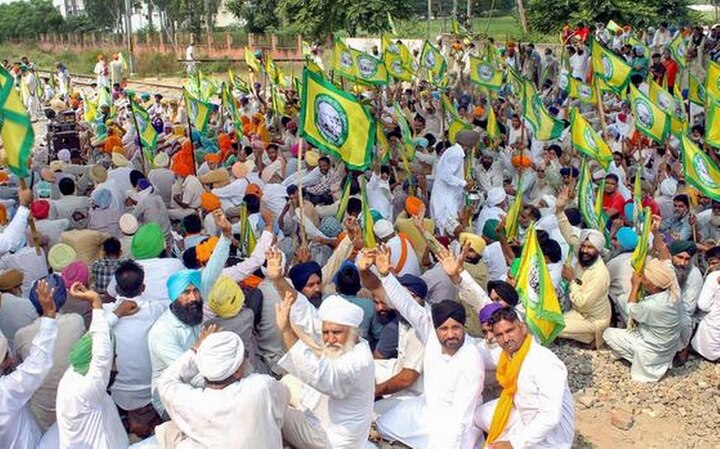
column 226, row 298
column 476, row 242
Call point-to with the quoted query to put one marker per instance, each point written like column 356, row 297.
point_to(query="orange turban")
column 521, row 161
column 213, row 158
column 224, row 141
column 413, row 205
column 111, row 142
column 253, row 189
column 209, row 201
column 204, row 250
column 251, row 281
column 182, row 161
column 3, row 215
column 4, row 177
column 478, row 111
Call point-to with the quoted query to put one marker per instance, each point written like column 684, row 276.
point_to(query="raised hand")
column 45, row 297
column 562, row 199
column 222, row 222
column 365, row 259
column 282, row 311
column 207, row 330
column 273, row 257
column 383, row 260
column 302, row 254
column 453, row 265
column 79, row 291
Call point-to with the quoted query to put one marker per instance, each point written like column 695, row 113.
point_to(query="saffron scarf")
column 507, row 376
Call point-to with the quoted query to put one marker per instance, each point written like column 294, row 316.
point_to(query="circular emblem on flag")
column 590, row 140
column 193, row 110
column 533, row 281
column 140, row 122
column 664, row 100
column 585, row 92
column 589, row 202
column 607, row 67
column 397, row 67
column 537, row 106
column 564, row 81
column 429, row 60
column 681, row 49
column 331, row 120
column 679, row 111
column 643, row 112
column 393, row 48
column 346, row 60
column 366, row 66
column 485, row 72
column 703, row 172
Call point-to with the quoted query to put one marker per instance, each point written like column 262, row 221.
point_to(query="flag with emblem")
column 208, row 87
column 650, row 119
column 712, row 127
column 543, row 314
column 610, row 67
column 712, row 82
column 699, row 170
column 661, row 97
column 545, row 126
column 398, row 60
column 485, row 74
column 586, row 140
column 16, row 129
column 369, row 69
column 407, row 136
column 696, row 91
column 678, row 116
column 583, row 92
column 198, row 112
column 367, row 219
column 586, row 197
column 432, row 60
column 343, row 62
column 148, row 135
column 252, row 61
column 678, row 50
column 273, row 71
column 336, row 122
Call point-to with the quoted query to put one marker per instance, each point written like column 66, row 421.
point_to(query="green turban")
column 81, row 354
column 489, row 230
column 148, row 242
column 682, row 246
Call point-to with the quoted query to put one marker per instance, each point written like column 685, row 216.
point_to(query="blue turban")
column 330, row 226
column 56, row 283
column 179, row 281
column 421, row 141
column 102, row 198
column 415, row 284
column 682, row 246
column 143, row 184
column 300, row 274
column 627, row 238
column 630, row 211
column 157, row 123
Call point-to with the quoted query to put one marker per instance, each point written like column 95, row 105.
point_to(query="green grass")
column 501, row 28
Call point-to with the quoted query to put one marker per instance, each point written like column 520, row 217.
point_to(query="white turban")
column 668, row 187
column 335, row 309
column 3, row 346
column 495, row 196
column 383, row 229
column 128, row 224
column 549, row 200
column 220, row 355
column 595, row 238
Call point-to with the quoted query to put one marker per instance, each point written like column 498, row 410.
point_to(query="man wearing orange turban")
column 209, row 201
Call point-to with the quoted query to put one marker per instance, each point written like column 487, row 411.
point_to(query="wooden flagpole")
column 303, row 236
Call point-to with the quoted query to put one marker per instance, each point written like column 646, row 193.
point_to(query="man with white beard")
column 341, row 368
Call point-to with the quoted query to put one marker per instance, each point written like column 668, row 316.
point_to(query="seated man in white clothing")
column 235, row 409
column 536, row 397
column 340, row 368
column 404, row 259
column 453, row 372
column 18, row 427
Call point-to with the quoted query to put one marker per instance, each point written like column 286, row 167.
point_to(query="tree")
column 259, row 15
column 105, row 14
column 28, row 19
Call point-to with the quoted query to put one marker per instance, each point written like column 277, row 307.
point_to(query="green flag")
column 485, row 73
column 16, row 129
column 148, row 135
column 545, row 126
column 586, row 140
column 198, row 112
column 433, row 61
column 586, row 197
column 699, row 170
column 650, row 119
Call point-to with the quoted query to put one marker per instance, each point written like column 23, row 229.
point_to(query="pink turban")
column 76, row 272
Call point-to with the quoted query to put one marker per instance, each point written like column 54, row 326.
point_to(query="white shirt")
column 190, row 53
column 411, row 265
column 447, row 190
column 86, row 415
column 347, row 381
column 379, row 196
column 131, row 389
column 245, row 414
column 232, row 194
column 244, row 269
column 18, row 427
column 14, row 232
column 494, row 259
column 27, row 260
column 157, row 271
column 452, row 384
column 620, row 272
column 707, row 337
column 15, row 313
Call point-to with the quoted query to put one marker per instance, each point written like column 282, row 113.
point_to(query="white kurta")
column 86, row 415
column 379, row 196
column 707, row 338
column 447, row 191
column 542, row 416
column 247, row 414
column 18, row 427
column 452, row 384
column 411, row 265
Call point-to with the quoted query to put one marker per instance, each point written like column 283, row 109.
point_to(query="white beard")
column 335, row 352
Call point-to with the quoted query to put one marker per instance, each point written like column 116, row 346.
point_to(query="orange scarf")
column 507, row 376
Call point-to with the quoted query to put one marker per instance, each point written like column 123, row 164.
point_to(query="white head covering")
column 119, row 160
column 220, row 355
column 3, row 346
column 383, row 229
column 495, row 196
column 162, row 160
column 549, row 200
column 668, row 187
column 128, row 224
column 64, row 155
column 595, row 238
column 335, row 309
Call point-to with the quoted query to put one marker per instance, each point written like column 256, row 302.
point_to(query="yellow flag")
column 650, row 119
column 712, row 82
column 252, row 62
column 610, row 67
column 16, row 129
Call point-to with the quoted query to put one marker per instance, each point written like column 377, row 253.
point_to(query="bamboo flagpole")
column 303, row 236
column 31, row 222
column 137, row 131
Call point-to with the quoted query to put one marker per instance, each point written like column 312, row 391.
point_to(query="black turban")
column 505, row 291
column 415, row 284
column 447, row 309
